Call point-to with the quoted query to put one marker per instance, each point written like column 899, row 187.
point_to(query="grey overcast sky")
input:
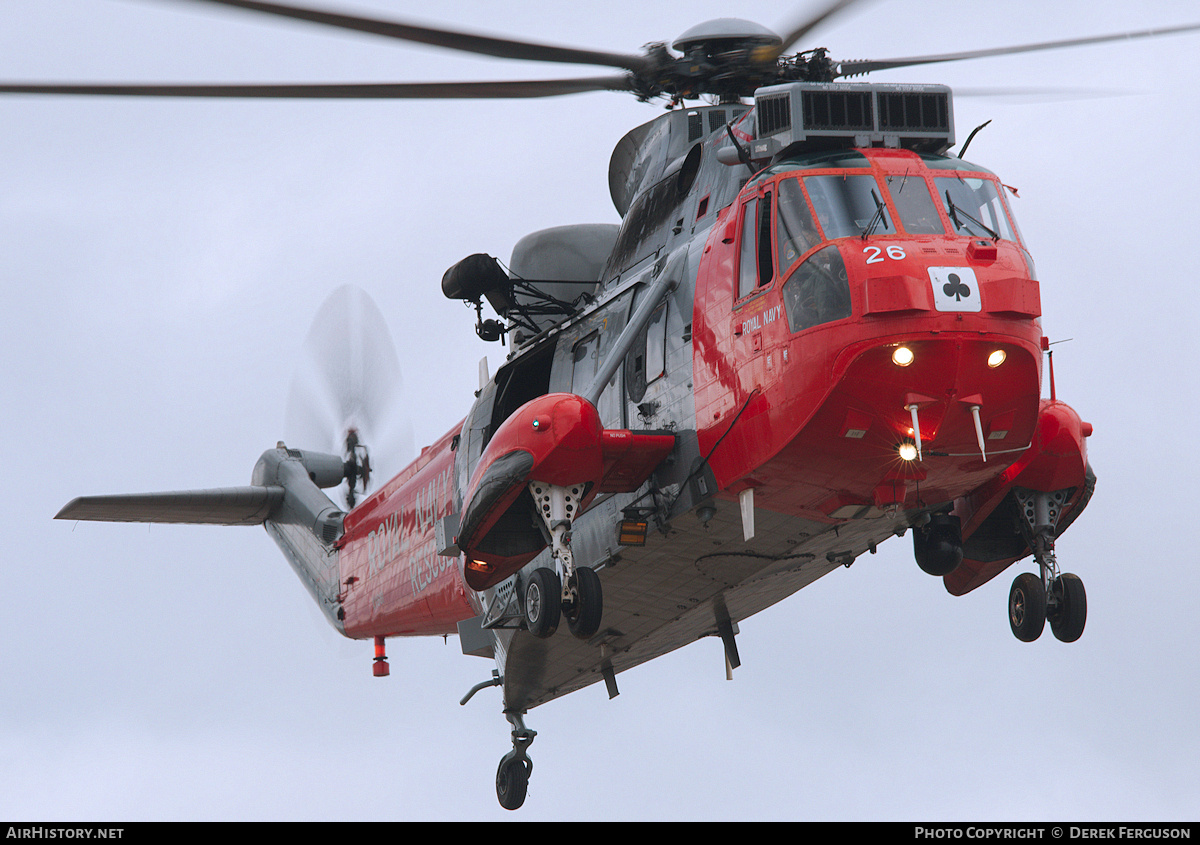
column 161, row 261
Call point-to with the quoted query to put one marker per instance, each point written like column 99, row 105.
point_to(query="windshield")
column 975, row 207
column 849, row 206
column 796, row 231
column 918, row 214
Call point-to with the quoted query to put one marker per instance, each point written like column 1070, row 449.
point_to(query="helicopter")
column 671, row 480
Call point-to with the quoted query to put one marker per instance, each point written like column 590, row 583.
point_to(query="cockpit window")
column 818, row 291
column 795, row 230
column 975, row 207
column 849, row 205
column 918, row 215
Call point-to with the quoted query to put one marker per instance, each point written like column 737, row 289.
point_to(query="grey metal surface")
column 666, row 281
column 249, row 505
column 679, row 588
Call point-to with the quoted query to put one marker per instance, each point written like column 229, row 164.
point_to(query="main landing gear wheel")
column 542, row 603
column 1067, row 611
column 1062, row 598
column 512, row 780
column 1027, row 607
column 586, row 605
column 938, row 545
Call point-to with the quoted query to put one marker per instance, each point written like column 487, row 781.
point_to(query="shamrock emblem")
column 956, row 288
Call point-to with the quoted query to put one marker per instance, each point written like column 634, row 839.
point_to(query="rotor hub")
column 723, row 34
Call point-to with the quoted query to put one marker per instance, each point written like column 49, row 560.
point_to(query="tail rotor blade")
column 348, row 378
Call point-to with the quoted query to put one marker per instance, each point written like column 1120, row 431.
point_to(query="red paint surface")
column 776, row 406
column 393, row 580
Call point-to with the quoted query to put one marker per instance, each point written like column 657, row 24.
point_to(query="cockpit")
column 929, row 194
column 805, row 204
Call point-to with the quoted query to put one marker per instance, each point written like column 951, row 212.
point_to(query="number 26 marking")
column 876, row 253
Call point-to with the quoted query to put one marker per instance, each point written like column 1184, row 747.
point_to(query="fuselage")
column 776, row 369
column 394, row 582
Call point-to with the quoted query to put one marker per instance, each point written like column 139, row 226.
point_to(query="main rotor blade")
column 810, row 22
column 334, row 91
column 504, row 48
column 860, row 66
column 1034, row 92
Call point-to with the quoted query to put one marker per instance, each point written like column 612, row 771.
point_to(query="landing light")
column 996, row 358
column 907, row 451
column 902, row 356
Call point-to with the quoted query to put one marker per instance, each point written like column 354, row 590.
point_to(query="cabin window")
column 584, row 362
column 647, row 361
column 766, row 267
column 656, row 345
column 818, row 291
column 849, row 205
column 796, row 230
column 755, row 262
column 914, row 204
column 747, row 265
column 975, row 207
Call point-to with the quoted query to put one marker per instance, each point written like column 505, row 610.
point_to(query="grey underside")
column 315, row 564
column 677, row 589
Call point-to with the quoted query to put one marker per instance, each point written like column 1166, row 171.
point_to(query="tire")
column 1070, row 611
column 542, row 604
column 512, row 781
column 584, row 618
column 1027, row 607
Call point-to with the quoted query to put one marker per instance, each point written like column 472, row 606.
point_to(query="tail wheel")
column 1027, row 607
column 512, row 781
column 543, row 602
column 583, row 617
column 1068, row 614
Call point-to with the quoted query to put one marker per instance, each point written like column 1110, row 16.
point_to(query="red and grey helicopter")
column 815, row 329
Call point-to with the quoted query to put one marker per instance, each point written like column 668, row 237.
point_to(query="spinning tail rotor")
column 347, row 388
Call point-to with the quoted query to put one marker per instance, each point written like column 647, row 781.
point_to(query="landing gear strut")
column 1055, row 597
column 578, row 591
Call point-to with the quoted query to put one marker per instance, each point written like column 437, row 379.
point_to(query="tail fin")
column 285, row 497
column 221, row 506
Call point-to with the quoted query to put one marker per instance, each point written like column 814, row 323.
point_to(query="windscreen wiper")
column 875, row 218
column 955, row 211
